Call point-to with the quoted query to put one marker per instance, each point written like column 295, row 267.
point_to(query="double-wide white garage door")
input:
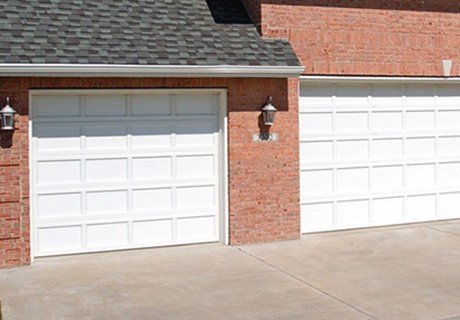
column 126, row 169
column 378, row 154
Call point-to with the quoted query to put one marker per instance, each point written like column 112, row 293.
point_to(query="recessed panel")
column 318, row 216
column 105, row 106
column 387, row 149
column 316, row 151
column 353, row 213
column 151, row 200
column 420, row 147
column 107, row 235
column 351, row 95
column 106, row 137
column 56, row 106
column 151, row 136
column 189, row 197
column 149, row 232
column 315, row 95
column 316, row 182
column 420, row 208
column 352, row 122
column 195, row 134
column 353, row 180
column 449, row 205
column 59, row 205
column 315, row 122
column 389, row 210
column 352, row 150
column 106, row 170
column 449, row 174
column 388, row 178
column 202, row 104
column 196, row 228
column 420, row 120
column 386, row 121
column 59, row 172
column 449, row 146
column 386, row 95
column 195, row 166
column 420, row 94
column 449, row 120
column 421, row 176
column 151, row 105
column 59, row 238
column 152, row 168
column 106, row 202
column 54, row 138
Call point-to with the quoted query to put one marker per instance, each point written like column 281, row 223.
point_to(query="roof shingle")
column 137, row 32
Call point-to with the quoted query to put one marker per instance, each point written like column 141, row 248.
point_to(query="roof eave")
column 106, row 70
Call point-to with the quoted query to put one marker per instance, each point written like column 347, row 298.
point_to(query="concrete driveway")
column 410, row 272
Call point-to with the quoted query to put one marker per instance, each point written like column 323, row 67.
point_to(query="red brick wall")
column 263, row 177
column 367, row 37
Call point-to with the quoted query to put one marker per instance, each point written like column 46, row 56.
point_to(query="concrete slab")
column 408, row 272
column 191, row 282
column 389, row 273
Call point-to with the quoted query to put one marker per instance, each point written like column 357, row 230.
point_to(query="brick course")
column 263, row 177
column 365, row 37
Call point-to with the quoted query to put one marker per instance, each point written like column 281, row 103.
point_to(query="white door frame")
column 223, row 147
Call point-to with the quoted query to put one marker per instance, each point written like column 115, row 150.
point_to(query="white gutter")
column 102, row 70
column 368, row 79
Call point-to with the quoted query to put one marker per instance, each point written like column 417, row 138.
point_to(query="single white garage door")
column 377, row 154
column 125, row 169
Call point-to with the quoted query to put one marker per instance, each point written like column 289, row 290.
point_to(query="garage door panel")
column 352, row 122
column 55, row 137
column 148, row 168
column 70, row 238
column 148, row 200
column 387, row 149
column 106, row 202
column 392, row 147
column 106, row 106
column 387, row 210
column 133, row 170
column 59, row 205
column 352, row 150
column 449, row 204
column 187, row 228
column 151, row 136
column 146, row 232
column 56, row 106
column 106, row 137
column 190, row 197
column 196, row 104
column 106, row 170
column 107, row 235
column 196, row 134
column 58, row 172
column 151, row 105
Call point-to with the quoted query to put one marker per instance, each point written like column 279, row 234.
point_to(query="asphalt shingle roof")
column 135, row 32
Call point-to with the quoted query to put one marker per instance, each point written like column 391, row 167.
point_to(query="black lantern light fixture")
column 268, row 112
column 7, row 116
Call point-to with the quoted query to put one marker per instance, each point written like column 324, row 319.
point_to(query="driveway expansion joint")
column 444, row 231
column 309, row 285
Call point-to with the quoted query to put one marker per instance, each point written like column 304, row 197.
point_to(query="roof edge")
column 108, row 70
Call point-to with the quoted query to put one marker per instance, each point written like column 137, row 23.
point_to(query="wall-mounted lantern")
column 268, row 112
column 7, row 116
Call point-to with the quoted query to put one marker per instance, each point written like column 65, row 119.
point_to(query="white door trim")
column 222, row 136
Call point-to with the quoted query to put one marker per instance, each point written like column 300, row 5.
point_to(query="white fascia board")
column 100, row 70
column 368, row 79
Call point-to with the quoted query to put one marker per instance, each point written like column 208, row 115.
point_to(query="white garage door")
column 378, row 154
column 125, row 169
